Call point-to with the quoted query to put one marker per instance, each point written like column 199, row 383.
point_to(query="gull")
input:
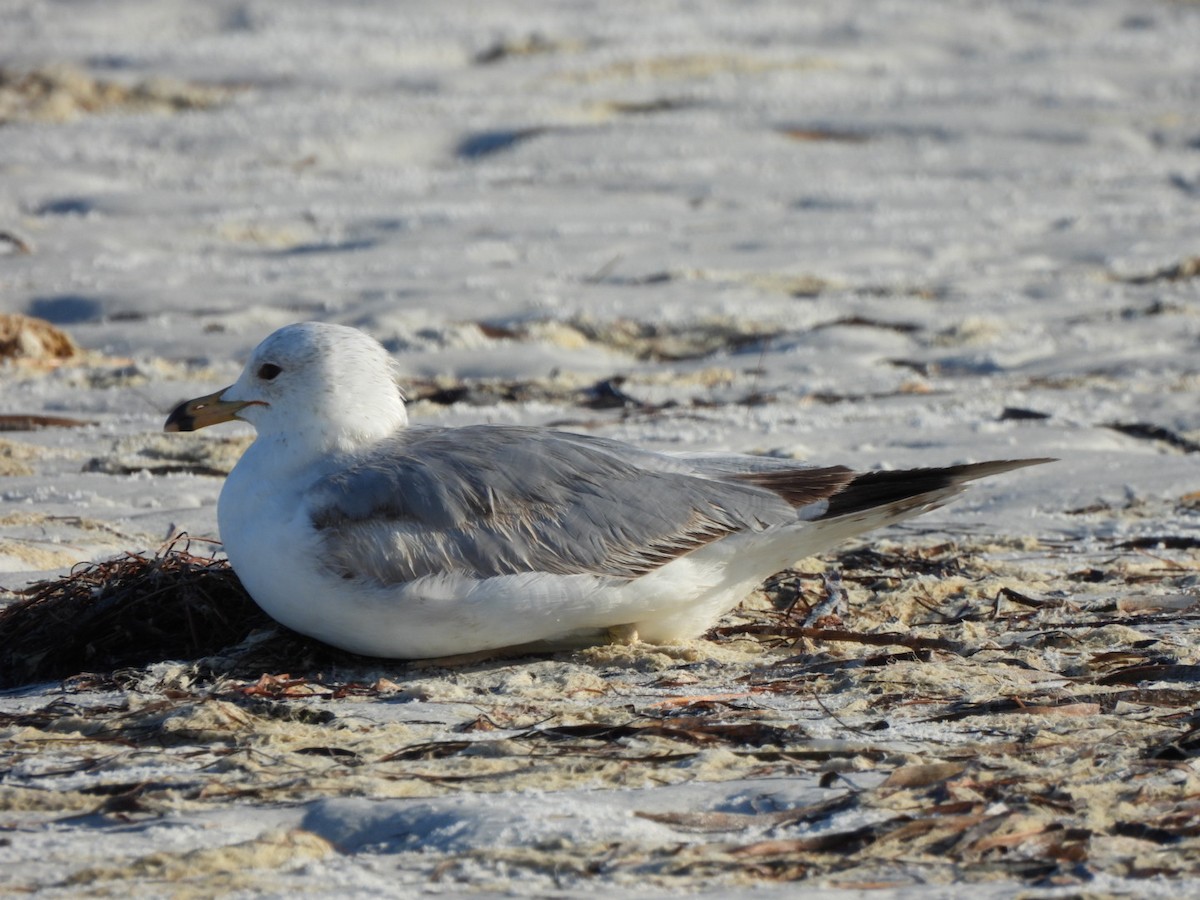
column 349, row 525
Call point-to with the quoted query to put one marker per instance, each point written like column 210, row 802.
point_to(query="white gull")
column 348, row 525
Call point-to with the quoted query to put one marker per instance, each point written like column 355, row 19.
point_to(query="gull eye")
column 267, row 371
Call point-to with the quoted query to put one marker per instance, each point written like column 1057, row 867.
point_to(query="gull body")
column 349, row 525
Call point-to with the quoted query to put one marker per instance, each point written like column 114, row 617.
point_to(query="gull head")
column 328, row 387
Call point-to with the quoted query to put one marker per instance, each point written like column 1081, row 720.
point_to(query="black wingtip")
column 874, row 489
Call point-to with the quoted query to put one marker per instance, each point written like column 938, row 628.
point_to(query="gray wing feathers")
column 487, row 501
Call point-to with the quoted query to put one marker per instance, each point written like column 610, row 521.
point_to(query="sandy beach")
column 878, row 234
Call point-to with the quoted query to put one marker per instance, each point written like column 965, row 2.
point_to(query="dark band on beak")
column 181, row 418
column 193, row 415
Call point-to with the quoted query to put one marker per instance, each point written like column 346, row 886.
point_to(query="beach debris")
column 128, row 611
column 866, row 322
column 690, row 67
column 642, row 107
column 15, row 458
column 30, row 422
column 1183, row 270
column 60, row 93
column 1149, row 432
column 26, row 339
column 609, row 393
column 682, row 341
column 820, row 134
column 1020, row 414
column 532, row 44
column 162, row 456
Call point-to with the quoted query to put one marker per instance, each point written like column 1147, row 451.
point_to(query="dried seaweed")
column 533, row 44
column 1183, row 270
column 129, row 611
column 34, row 422
column 27, row 338
column 1150, row 432
column 60, row 93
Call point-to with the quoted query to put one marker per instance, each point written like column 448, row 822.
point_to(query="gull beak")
column 193, row 415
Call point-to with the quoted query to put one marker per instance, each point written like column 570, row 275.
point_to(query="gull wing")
column 484, row 501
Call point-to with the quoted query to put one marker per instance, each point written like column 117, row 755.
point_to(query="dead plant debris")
column 1183, row 270
column 128, row 611
column 30, row 422
column 659, row 343
column 24, row 338
column 1149, row 432
column 60, row 93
